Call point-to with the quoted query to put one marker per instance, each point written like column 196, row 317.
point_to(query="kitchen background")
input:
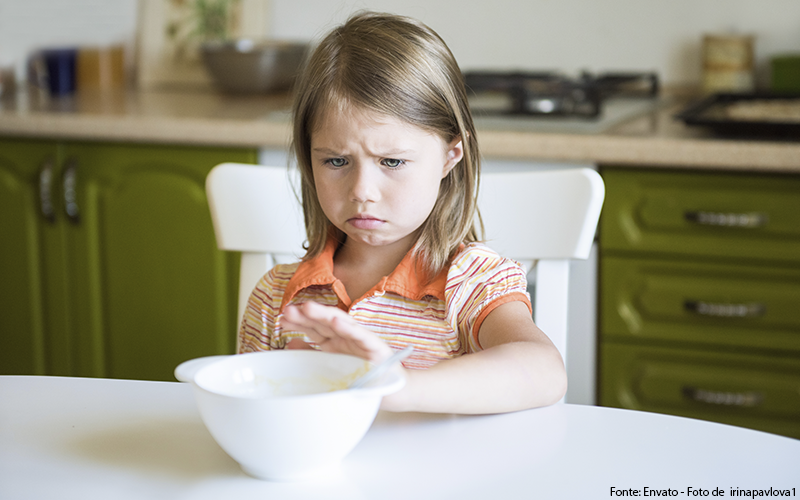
column 180, row 132
column 568, row 35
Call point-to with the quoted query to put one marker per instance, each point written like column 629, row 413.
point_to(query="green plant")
column 202, row 20
column 213, row 19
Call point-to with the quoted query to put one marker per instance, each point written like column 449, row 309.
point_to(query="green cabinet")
column 111, row 261
column 756, row 390
column 737, row 217
column 25, row 241
column 704, row 303
column 699, row 294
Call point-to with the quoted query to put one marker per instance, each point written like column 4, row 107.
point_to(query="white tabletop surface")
column 78, row 438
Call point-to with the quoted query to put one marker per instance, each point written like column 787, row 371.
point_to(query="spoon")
column 381, row 367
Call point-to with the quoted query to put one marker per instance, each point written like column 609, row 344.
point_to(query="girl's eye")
column 393, row 162
column 337, row 162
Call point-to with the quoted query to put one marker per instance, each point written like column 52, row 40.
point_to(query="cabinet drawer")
column 702, row 214
column 700, row 303
column 745, row 390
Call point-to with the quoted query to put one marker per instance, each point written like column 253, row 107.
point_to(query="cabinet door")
column 153, row 290
column 700, row 303
column 21, row 300
column 34, row 336
column 702, row 215
column 745, row 389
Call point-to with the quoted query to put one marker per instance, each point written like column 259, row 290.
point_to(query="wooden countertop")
column 654, row 138
column 193, row 118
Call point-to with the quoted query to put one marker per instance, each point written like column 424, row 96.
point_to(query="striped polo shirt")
column 441, row 319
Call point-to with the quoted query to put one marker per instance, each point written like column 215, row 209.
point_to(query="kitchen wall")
column 660, row 35
column 26, row 25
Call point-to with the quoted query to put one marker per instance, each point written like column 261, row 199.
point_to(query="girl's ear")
column 455, row 152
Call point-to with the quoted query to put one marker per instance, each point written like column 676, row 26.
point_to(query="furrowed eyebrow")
column 386, row 154
column 326, row 151
column 403, row 152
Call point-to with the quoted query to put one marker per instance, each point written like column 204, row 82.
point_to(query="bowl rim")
column 248, row 45
column 390, row 382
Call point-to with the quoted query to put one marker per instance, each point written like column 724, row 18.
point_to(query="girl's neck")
column 360, row 267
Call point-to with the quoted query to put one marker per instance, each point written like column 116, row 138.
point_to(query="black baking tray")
column 710, row 112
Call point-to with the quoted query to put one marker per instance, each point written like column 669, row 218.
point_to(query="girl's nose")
column 363, row 187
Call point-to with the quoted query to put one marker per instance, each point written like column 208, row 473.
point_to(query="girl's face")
column 377, row 178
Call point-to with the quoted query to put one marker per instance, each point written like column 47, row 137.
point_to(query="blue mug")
column 60, row 65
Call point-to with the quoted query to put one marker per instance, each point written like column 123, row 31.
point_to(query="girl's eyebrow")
column 394, row 152
column 399, row 152
column 326, row 151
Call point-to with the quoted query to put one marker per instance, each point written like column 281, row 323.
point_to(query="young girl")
column 389, row 161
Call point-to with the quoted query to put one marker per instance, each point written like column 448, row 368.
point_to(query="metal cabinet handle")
column 721, row 310
column 747, row 399
column 46, row 191
column 749, row 220
column 70, row 181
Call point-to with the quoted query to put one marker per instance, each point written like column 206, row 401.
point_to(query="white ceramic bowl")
column 283, row 415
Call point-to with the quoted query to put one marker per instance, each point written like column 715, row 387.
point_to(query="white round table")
column 74, row 438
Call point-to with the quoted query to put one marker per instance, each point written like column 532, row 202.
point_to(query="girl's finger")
column 334, row 330
column 321, row 319
column 363, row 340
column 316, row 332
column 312, row 333
column 324, row 314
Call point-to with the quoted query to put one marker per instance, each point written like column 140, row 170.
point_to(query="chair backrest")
column 255, row 211
column 544, row 217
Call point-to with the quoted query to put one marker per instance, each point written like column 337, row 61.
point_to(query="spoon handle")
column 380, row 368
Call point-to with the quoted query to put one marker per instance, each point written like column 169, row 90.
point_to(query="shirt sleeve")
column 258, row 328
column 479, row 280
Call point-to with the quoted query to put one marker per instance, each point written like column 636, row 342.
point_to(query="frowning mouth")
column 363, row 221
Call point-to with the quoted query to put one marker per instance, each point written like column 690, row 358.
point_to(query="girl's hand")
column 333, row 330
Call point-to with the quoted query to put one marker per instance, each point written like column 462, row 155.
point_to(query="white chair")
column 255, row 211
column 543, row 219
column 546, row 218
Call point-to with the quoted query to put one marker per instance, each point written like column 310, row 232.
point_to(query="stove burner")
column 553, row 94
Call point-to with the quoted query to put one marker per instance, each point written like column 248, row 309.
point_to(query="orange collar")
column 404, row 280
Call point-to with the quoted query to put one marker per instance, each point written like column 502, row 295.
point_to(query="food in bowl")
column 286, row 415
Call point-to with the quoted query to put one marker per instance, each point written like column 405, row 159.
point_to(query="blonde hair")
column 399, row 67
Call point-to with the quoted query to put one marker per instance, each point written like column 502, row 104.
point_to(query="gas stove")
column 555, row 101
